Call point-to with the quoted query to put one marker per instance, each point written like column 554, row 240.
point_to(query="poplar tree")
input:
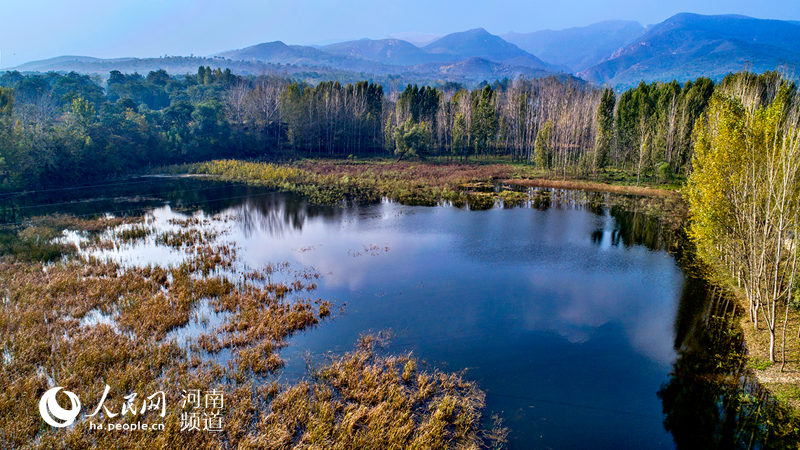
column 543, row 146
column 605, row 129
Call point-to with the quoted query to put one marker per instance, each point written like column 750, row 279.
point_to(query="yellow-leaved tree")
column 743, row 200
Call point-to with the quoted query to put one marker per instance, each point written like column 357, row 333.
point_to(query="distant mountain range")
column 575, row 49
column 617, row 53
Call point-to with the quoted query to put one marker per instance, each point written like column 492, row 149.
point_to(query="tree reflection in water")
column 711, row 399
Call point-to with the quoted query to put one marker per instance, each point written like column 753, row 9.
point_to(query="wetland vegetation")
column 238, row 287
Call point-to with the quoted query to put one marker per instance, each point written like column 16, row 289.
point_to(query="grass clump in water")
column 361, row 400
column 133, row 234
column 33, row 243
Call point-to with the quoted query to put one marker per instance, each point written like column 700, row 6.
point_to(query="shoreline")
column 783, row 385
column 592, row 186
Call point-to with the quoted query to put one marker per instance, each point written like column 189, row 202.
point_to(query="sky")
column 37, row 29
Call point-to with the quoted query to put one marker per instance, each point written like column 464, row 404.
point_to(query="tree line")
column 65, row 128
column 744, row 198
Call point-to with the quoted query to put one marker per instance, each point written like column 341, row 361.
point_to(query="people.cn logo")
column 54, row 414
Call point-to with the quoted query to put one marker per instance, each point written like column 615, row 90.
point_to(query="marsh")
column 564, row 312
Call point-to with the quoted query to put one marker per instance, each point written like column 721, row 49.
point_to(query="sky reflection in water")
column 570, row 335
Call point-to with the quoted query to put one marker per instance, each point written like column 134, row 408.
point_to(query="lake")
column 563, row 311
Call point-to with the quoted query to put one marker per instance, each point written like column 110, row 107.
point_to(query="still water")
column 560, row 313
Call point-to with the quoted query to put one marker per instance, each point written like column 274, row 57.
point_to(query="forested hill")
column 686, row 46
column 469, row 71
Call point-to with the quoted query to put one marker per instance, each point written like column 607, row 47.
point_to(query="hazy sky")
column 36, row 29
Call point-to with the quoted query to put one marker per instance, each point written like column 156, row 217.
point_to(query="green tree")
column 6, row 112
column 605, row 129
column 82, row 111
column 484, row 123
column 461, row 145
column 542, row 147
column 410, row 139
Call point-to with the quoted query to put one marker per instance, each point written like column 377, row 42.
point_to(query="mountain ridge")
column 690, row 45
column 577, row 48
column 479, row 43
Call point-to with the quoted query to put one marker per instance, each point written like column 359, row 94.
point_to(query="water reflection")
column 138, row 195
column 275, row 214
column 554, row 320
column 711, row 399
column 568, row 311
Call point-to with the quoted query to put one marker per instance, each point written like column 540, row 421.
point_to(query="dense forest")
column 58, row 129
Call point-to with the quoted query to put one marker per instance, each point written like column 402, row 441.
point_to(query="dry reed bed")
column 331, row 182
column 360, row 398
column 592, row 186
